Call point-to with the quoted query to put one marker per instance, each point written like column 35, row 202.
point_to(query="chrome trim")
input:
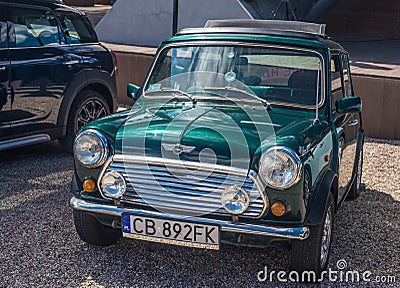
column 210, row 177
column 115, row 175
column 103, row 170
column 215, row 42
column 178, row 148
column 298, row 233
column 24, row 141
column 295, row 159
column 178, row 163
column 353, row 122
column 103, row 141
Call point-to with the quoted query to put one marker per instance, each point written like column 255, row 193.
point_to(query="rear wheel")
column 92, row 231
column 312, row 254
column 89, row 105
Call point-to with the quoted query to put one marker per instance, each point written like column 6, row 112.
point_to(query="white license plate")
column 170, row 232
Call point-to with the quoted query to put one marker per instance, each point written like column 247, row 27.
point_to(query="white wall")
column 148, row 22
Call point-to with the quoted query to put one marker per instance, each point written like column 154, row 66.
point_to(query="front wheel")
column 92, row 231
column 312, row 254
column 89, row 105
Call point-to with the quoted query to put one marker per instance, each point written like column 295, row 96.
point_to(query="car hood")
column 217, row 134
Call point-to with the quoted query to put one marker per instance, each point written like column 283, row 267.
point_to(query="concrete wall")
column 363, row 19
column 381, row 105
column 381, row 101
column 147, row 23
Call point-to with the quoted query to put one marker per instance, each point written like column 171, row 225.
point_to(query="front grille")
column 178, row 187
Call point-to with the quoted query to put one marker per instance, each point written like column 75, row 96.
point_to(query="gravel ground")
column 39, row 246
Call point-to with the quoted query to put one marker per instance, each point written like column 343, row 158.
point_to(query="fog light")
column 113, row 184
column 278, row 208
column 89, row 185
column 235, row 200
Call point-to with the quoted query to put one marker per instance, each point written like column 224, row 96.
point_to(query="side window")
column 77, row 29
column 33, row 28
column 336, row 80
column 346, row 76
column 4, row 17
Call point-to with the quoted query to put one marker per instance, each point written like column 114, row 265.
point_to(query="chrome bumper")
column 299, row 233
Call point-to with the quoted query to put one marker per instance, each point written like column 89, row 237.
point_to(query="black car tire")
column 306, row 254
column 356, row 186
column 78, row 116
column 92, row 231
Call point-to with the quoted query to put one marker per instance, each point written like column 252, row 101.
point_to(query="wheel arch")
column 97, row 80
column 328, row 184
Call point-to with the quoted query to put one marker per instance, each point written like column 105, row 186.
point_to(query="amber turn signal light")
column 278, row 208
column 89, row 185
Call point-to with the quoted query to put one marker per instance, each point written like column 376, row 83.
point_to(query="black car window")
column 33, row 28
column 346, row 75
column 336, row 80
column 78, row 29
column 4, row 17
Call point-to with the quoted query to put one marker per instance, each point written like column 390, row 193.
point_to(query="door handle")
column 3, row 68
column 353, row 122
column 70, row 60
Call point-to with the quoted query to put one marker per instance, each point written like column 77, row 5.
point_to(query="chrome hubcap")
column 91, row 110
column 326, row 237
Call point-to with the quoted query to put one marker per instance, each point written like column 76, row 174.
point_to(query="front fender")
column 327, row 184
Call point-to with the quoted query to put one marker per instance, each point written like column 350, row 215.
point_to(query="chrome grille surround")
column 182, row 187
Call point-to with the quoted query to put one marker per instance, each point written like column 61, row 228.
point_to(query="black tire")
column 306, row 254
column 89, row 105
column 356, row 186
column 92, row 231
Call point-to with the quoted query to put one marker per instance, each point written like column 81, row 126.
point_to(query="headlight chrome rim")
column 102, row 140
column 115, row 175
column 244, row 199
column 294, row 157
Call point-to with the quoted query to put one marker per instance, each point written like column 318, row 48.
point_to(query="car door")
column 347, row 125
column 35, row 54
column 5, row 102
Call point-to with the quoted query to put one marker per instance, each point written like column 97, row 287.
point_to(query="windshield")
column 275, row 75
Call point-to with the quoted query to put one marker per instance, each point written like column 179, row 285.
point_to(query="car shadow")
column 359, row 239
column 35, row 167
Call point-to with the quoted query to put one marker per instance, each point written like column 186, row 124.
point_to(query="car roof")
column 306, row 34
column 52, row 4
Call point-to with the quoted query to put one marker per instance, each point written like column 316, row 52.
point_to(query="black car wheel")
column 356, row 186
column 89, row 105
column 312, row 254
column 92, row 231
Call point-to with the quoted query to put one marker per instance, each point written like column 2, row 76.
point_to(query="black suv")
column 55, row 76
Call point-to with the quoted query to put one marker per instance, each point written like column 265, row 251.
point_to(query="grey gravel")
column 39, row 246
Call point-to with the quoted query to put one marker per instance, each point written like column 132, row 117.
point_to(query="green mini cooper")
column 244, row 132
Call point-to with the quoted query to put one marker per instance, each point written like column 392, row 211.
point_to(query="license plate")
column 170, row 232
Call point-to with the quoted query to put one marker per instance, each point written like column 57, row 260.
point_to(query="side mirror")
column 132, row 91
column 349, row 105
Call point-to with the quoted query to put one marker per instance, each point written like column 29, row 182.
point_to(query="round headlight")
column 280, row 167
column 235, row 200
column 113, row 184
column 90, row 148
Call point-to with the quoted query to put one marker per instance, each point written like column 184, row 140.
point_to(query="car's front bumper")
column 299, row 233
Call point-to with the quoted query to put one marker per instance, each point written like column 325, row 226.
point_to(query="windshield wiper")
column 227, row 88
column 170, row 90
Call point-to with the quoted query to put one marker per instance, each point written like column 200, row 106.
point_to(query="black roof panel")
column 52, row 4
